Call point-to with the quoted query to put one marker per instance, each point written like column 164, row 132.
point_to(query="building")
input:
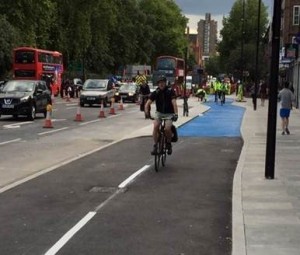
column 289, row 42
column 207, row 35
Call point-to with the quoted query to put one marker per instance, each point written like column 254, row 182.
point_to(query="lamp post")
column 242, row 47
column 257, row 55
column 272, row 111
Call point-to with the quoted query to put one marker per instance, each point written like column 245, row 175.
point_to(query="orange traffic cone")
column 78, row 116
column 48, row 122
column 101, row 114
column 112, row 107
column 121, row 107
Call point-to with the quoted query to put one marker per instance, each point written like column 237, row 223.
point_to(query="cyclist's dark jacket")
column 163, row 100
column 144, row 89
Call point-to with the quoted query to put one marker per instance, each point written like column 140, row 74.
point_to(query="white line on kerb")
column 131, row 177
column 62, row 241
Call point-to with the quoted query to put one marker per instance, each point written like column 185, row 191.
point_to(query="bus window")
column 166, row 63
column 24, row 57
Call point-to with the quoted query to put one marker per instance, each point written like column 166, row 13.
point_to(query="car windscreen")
column 127, row 87
column 18, row 86
column 94, row 84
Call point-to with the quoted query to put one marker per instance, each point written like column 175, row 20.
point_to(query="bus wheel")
column 31, row 115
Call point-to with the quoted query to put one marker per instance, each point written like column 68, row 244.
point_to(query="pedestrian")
column 286, row 97
column 144, row 92
column 263, row 92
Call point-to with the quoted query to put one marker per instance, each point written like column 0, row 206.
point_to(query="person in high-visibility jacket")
column 240, row 95
column 217, row 86
column 201, row 94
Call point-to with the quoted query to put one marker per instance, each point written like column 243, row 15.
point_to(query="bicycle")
column 222, row 97
column 161, row 154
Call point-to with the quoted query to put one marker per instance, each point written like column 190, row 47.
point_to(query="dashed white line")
column 66, row 237
column 53, row 131
column 11, row 141
column 62, row 241
column 131, row 177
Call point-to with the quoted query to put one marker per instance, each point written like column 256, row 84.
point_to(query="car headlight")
column 117, row 93
column 24, row 99
column 130, row 94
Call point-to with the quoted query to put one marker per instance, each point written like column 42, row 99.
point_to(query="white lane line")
column 53, row 131
column 131, row 177
column 62, row 241
column 89, row 122
column 11, row 141
column 66, row 237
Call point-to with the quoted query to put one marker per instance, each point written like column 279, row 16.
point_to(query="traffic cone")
column 121, row 107
column 78, row 116
column 101, row 114
column 112, row 107
column 48, row 122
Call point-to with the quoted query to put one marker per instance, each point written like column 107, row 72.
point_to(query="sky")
column 195, row 10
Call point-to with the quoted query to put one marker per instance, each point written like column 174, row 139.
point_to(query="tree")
column 7, row 41
column 232, row 36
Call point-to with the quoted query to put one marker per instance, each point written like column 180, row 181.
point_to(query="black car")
column 24, row 97
column 128, row 92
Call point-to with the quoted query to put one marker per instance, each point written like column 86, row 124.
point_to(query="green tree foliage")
column 230, row 47
column 7, row 41
column 104, row 35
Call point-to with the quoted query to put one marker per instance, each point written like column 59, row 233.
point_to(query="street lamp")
column 242, row 48
column 273, row 85
column 256, row 61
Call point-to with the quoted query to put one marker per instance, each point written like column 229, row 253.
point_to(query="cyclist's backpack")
column 175, row 135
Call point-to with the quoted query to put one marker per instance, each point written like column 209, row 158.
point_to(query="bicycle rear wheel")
column 163, row 151
column 158, row 154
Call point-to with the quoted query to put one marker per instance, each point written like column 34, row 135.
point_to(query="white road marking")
column 53, row 131
column 89, row 122
column 11, row 141
column 17, row 125
column 131, row 177
column 62, row 241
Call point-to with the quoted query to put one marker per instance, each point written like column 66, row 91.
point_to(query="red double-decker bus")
column 37, row 64
column 174, row 70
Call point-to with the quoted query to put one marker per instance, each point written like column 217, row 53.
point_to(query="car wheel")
column 15, row 116
column 31, row 115
column 82, row 104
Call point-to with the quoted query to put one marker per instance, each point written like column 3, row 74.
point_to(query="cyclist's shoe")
column 154, row 151
column 169, row 148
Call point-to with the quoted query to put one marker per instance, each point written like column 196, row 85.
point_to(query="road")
column 82, row 207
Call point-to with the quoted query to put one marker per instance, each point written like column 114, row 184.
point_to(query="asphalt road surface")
column 80, row 209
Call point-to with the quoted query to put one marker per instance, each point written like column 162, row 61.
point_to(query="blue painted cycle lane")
column 219, row 121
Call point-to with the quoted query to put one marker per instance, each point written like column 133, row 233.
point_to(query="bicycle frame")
column 161, row 154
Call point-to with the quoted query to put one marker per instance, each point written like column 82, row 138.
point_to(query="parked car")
column 96, row 91
column 128, row 92
column 24, row 97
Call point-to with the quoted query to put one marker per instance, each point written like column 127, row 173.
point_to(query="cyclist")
column 222, row 90
column 166, row 107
